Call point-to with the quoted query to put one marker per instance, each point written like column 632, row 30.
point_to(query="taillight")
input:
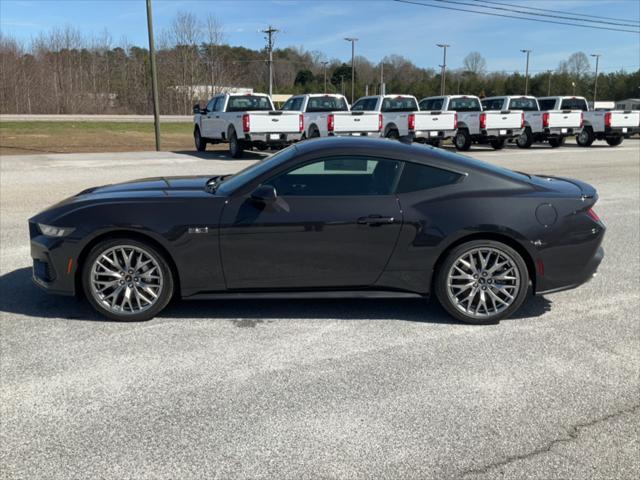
column 581, row 119
column 594, row 216
column 380, row 122
column 301, row 123
column 483, row 121
column 455, row 120
column 246, row 123
column 411, row 119
column 330, row 123
column 522, row 120
column 607, row 119
column 545, row 119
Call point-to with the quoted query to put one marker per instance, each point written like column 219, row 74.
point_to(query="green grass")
column 65, row 127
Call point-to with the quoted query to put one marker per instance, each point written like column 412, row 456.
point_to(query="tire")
column 393, row 134
column 614, row 141
column 107, row 261
column 556, row 142
column 586, row 137
column 513, row 278
column 525, row 139
column 435, row 143
column 201, row 143
column 462, row 140
column 497, row 143
column 314, row 133
column 235, row 147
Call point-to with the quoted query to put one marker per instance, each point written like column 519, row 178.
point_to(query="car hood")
column 156, row 184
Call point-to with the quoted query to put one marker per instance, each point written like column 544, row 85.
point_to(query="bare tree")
column 475, row 63
column 576, row 65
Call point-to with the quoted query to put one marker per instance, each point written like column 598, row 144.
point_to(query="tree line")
column 63, row 72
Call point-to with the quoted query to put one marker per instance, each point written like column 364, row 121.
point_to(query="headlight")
column 51, row 231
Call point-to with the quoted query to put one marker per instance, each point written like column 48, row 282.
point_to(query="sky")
column 383, row 27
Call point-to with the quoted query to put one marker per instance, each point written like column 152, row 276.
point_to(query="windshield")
column 232, row 183
column 248, row 102
column 524, row 103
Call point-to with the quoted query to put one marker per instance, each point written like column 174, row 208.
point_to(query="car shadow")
column 20, row 296
column 222, row 155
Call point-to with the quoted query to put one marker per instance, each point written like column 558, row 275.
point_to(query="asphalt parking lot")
column 320, row 389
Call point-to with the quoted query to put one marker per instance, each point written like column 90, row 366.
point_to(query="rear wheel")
column 556, row 142
column 497, row 143
column 393, row 134
column 201, row 143
column 127, row 280
column 435, row 143
column 586, row 137
column 462, row 140
column 525, row 139
column 314, row 133
column 235, row 147
column 482, row 281
column 614, row 141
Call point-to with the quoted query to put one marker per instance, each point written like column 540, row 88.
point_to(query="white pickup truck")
column 477, row 126
column 551, row 126
column 245, row 121
column 402, row 118
column 608, row 125
column 327, row 115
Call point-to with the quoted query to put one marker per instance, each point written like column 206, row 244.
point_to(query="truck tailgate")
column 569, row 119
column 508, row 120
column 625, row 119
column 436, row 121
column 355, row 122
column 274, row 122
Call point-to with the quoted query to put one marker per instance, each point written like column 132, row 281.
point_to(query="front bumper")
column 54, row 265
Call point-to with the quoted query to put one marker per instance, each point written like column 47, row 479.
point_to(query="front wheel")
column 482, row 281
column 462, row 140
column 127, row 280
column 201, row 143
column 497, row 143
column 586, row 137
column 393, row 134
column 525, row 139
column 235, row 148
column 614, row 141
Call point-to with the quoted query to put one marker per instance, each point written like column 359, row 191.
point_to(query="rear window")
column 365, row 105
column 574, row 104
column 431, row 104
column 248, row 102
column 465, row 104
column 526, row 104
column 327, row 104
column 416, row 177
column 547, row 104
column 399, row 104
column 493, row 104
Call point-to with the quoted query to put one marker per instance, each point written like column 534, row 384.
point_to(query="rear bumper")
column 375, row 134
column 562, row 131
column 273, row 138
column 617, row 131
column 433, row 134
column 501, row 132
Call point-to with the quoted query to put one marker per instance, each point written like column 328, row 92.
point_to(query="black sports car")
column 333, row 217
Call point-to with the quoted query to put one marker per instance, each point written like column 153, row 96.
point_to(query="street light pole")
column 549, row 84
column 154, row 76
column 324, row 69
column 526, row 74
column 595, row 84
column 444, row 67
column 270, row 31
column 353, row 41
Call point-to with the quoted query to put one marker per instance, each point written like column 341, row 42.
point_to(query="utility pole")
column 353, row 41
column 444, row 67
column 270, row 31
column 154, row 76
column 324, row 69
column 595, row 83
column 549, row 84
column 526, row 74
column 342, row 84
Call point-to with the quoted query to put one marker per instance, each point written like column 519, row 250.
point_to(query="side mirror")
column 196, row 109
column 264, row 194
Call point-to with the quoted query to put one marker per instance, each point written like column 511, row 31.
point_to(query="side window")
column 210, row 105
column 416, row 177
column 219, row 104
column 339, row 176
column 293, row 104
column 364, row 105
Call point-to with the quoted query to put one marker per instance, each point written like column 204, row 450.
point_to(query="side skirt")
column 305, row 294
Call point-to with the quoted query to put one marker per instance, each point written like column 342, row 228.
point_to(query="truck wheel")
column 235, row 147
column 614, row 141
column 585, row 138
column 497, row 143
column 314, row 133
column 525, row 139
column 435, row 143
column 555, row 142
column 462, row 140
column 201, row 143
column 393, row 134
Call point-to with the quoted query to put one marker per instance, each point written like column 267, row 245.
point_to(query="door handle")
column 375, row 220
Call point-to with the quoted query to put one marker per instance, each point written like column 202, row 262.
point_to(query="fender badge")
column 198, row 230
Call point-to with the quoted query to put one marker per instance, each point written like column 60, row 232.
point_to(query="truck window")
column 211, row 104
column 365, row 105
column 465, row 104
column 547, row 104
column 327, row 104
column 294, row 103
column 574, row 104
column 399, row 104
column 248, row 102
column 526, row 104
column 431, row 104
column 493, row 104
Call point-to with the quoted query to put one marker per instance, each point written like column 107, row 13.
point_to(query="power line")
column 558, row 11
column 494, row 14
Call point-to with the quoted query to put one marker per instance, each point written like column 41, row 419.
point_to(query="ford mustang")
column 334, row 217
